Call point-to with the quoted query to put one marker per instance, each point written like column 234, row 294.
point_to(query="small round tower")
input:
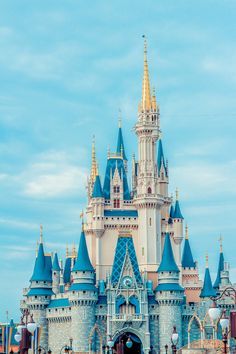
column 169, row 296
column 83, row 297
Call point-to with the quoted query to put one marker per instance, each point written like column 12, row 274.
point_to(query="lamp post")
column 40, row 348
column 25, row 330
column 166, row 348
column 110, row 344
column 214, row 313
column 174, row 340
column 67, row 348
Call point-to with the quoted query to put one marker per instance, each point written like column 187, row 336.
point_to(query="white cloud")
column 54, row 174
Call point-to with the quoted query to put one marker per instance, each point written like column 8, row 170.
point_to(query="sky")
column 66, row 68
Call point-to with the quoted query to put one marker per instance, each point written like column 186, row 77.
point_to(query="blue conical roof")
column 38, row 273
column 161, row 158
column 97, row 188
column 120, row 144
column 177, row 212
column 83, row 262
column 187, row 258
column 168, row 263
column 207, row 290
column 172, row 211
column 220, row 269
column 55, row 265
column 67, row 271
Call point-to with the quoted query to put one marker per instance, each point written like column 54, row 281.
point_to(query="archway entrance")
column 128, row 343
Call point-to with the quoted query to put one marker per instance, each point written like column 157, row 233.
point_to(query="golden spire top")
column 186, row 232
column 73, row 251
column 221, row 243
column 119, row 119
column 177, row 194
column 82, row 217
column 41, row 234
column 67, row 251
column 94, row 162
column 207, row 261
column 146, row 92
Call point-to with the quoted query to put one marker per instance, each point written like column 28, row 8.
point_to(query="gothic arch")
column 195, row 317
column 139, row 334
column 93, row 331
column 133, row 300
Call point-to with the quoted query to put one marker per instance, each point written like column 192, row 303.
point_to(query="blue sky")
column 66, row 67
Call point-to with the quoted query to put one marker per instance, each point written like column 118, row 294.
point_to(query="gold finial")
column 73, row 251
column 94, row 162
column 97, row 170
column 108, row 152
column 120, row 119
column 186, row 232
column 146, row 94
column 67, row 251
column 41, row 234
column 37, row 247
column 82, row 217
column 177, row 194
column 207, row 261
column 221, row 243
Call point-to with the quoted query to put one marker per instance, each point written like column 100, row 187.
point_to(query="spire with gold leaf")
column 94, row 162
column 220, row 265
column 187, row 258
column 207, row 289
column 146, row 103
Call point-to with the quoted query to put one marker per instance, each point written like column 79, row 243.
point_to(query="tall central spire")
column 146, row 103
column 94, row 162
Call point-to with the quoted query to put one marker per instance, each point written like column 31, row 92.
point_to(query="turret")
column 40, row 290
column 83, row 297
column 177, row 229
column 190, row 275
column 169, row 295
column 187, row 258
column 120, row 150
column 207, row 290
column 220, row 268
column 56, row 275
column 162, row 171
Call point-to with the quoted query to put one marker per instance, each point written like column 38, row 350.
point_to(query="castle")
column 134, row 276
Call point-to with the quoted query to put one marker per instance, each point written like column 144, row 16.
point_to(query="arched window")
column 149, row 190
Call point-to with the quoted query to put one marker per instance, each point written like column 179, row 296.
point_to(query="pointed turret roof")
column 177, row 212
column 120, row 142
column 42, row 267
column 161, row 158
column 187, row 258
column 146, row 103
column 168, row 263
column 207, row 290
column 97, row 188
column 55, row 265
column 172, row 211
column 220, row 267
column 83, row 262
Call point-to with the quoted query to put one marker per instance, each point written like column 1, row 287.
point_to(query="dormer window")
column 116, row 203
column 116, row 189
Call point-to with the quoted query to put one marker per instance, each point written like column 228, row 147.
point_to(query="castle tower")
column 220, row 268
column 207, row 289
column 93, row 171
column 190, row 276
column 40, row 290
column 83, row 297
column 169, row 296
column 177, row 226
column 55, row 275
column 147, row 199
column 97, row 222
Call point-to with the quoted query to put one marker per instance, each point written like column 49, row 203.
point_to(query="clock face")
column 127, row 282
